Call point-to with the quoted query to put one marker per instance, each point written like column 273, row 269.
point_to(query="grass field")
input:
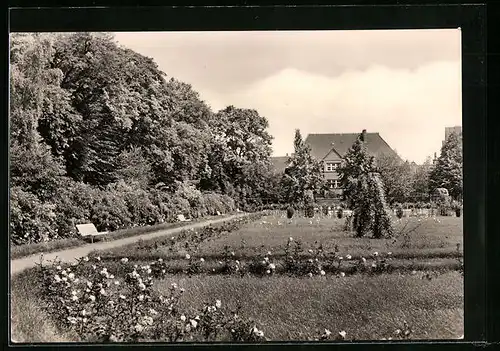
column 366, row 306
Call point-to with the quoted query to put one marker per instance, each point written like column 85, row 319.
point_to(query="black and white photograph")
column 236, row 186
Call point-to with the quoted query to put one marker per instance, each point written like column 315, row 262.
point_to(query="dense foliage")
column 99, row 134
column 448, row 171
column 364, row 192
column 302, row 177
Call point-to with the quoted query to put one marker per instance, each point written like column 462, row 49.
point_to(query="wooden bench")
column 181, row 218
column 89, row 230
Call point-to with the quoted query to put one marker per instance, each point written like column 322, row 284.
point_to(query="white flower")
column 77, row 280
column 374, row 265
column 237, row 262
column 64, row 279
column 342, row 274
column 397, row 332
column 64, row 272
column 111, row 276
column 98, row 258
column 94, row 266
column 74, row 298
column 58, row 268
column 264, row 262
column 111, row 302
column 148, row 271
column 142, row 286
column 212, row 309
column 139, row 328
column 57, row 278
column 160, row 260
column 290, row 239
column 188, row 328
column 363, row 259
column 174, row 286
column 188, row 256
column 272, row 266
column 84, row 313
column 218, row 303
column 389, row 253
column 87, row 290
column 102, row 292
column 73, row 292
column 327, row 332
column 183, row 318
column 72, row 320
column 86, row 259
column 348, row 257
column 140, row 297
column 269, row 253
column 172, row 238
column 375, row 253
column 266, row 259
column 341, row 258
column 202, row 259
column 84, row 320
column 343, row 334
column 153, row 311
column 117, row 282
column 268, row 271
column 194, row 323
column 310, row 274
column 310, row 251
column 122, row 297
column 232, row 253
column 322, row 272
column 163, row 271
column 71, row 276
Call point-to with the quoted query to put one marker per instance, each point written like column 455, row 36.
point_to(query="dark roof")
column 279, row 163
column 321, row 144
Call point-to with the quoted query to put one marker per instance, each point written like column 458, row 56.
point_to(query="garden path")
column 68, row 255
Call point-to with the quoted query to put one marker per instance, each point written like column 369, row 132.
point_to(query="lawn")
column 290, row 308
column 421, row 285
column 418, row 238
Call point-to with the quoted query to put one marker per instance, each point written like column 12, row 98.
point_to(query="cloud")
column 224, row 61
column 408, row 107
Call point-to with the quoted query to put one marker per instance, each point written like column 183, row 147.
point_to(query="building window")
column 331, row 166
column 333, row 183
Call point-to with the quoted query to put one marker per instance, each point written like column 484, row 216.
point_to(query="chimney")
column 363, row 135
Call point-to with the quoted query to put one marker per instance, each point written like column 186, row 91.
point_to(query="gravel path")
column 68, row 255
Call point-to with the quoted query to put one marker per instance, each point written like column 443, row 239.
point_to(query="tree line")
column 401, row 181
column 98, row 133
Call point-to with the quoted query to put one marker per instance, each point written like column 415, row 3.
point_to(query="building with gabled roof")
column 330, row 148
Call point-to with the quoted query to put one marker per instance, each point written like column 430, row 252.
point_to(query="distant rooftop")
column 322, row 144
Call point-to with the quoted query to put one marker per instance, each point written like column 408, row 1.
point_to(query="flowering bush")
column 262, row 265
column 99, row 306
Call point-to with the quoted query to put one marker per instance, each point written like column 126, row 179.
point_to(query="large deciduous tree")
column 397, row 176
column 448, row 171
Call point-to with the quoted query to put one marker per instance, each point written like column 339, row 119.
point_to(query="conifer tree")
column 302, row 175
column 364, row 192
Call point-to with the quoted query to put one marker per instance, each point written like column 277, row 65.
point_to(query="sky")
column 403, row 84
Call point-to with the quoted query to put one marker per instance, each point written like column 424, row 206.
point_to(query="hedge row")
column 116, row 207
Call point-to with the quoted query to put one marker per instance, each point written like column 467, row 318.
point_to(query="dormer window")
column 331, row 166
